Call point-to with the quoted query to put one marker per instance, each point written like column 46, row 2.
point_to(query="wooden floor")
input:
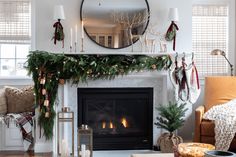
column 23, row 154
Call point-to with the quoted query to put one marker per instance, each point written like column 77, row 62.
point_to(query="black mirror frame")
column 81, row 8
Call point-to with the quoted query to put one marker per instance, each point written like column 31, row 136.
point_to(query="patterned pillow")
column 3, row 102
column 19, row 100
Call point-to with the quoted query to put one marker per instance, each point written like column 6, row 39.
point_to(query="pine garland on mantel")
column 48, row 69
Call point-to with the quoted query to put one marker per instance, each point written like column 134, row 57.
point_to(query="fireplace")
column 121, row 118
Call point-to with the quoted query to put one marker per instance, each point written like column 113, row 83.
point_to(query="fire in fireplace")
column 121, row 118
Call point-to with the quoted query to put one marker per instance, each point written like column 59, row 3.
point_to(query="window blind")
column 210, row 31
column 15, row 21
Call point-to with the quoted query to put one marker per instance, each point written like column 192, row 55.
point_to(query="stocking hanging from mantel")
column 185, row 81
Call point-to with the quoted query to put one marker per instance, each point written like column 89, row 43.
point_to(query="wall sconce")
column 173, row 14
column 173, row 28
column 222, row 53
column 59, row 15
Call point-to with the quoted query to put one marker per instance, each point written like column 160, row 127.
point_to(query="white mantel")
column 130, row 53
column 157, row 80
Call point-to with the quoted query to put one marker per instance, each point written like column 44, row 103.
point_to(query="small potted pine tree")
column 171, row 118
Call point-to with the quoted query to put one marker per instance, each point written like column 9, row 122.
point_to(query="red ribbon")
column 57, row 26
column 173, row 26
column 194, row 71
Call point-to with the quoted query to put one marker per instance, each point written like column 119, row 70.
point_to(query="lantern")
column 65, row 122
column 85, row 141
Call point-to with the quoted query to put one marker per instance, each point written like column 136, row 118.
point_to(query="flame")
column 103, row 125
column 124, row 122
column 111, row 125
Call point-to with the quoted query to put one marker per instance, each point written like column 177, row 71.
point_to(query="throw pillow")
column 19, row 100
column 3, row 102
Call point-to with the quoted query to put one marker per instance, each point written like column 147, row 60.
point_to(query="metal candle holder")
column 70, row 48
column 82, row 45
column 75, row 46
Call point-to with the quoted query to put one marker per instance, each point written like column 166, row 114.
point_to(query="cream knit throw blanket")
column 224, row 116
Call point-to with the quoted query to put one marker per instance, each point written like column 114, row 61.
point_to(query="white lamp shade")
column 59, row 12
column 173, row 14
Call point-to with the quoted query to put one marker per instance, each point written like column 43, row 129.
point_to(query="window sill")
column 15, row 80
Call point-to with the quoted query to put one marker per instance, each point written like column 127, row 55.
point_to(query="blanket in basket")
column 25, row 123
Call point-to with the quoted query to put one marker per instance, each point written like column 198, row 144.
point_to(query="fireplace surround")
column 156, row 80
column 121, row 118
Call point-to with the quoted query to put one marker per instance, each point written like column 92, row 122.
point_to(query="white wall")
column 159, row 12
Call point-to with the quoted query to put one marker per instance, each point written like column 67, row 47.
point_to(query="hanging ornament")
column 62, row 81
column 42, row 81
column 49, row 75
column 47, row 115
column 89, row 71
column 46, row 103
column 122, row 71
column 44, row 91
column 154, row 66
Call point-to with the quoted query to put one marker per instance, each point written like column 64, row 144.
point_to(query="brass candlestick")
column 82, row 45
column 75, row 46
column 70, row 48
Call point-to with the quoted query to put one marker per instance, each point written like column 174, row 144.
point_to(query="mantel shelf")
column 124, row 53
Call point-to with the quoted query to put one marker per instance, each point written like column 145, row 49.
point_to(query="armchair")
column 218, row 90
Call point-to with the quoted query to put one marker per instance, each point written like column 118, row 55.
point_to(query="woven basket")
column 167, row 142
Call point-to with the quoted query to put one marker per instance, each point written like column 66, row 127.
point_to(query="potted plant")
column 170, row 118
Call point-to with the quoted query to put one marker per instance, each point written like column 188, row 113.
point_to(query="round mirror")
column 114, row 23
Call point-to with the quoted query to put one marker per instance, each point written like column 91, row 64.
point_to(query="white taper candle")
column 82, row 29
column 71, row 37
column 76, row 33
column 83, row 148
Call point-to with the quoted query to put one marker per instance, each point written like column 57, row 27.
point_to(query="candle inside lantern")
column 87, row 153
column 66, row 150
column 82, row 29
column 63, row 148
column 83, row 148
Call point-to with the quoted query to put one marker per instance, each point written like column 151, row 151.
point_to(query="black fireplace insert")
column 121, row 118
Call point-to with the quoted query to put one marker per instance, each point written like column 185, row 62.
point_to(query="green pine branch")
column 171, row 116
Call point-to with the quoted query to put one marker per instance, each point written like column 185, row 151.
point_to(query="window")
column 15, row 36
column 210, row 31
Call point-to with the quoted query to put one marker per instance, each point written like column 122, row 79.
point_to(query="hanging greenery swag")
column 48, row 69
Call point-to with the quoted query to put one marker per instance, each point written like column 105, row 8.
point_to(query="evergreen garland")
column 47, row 69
